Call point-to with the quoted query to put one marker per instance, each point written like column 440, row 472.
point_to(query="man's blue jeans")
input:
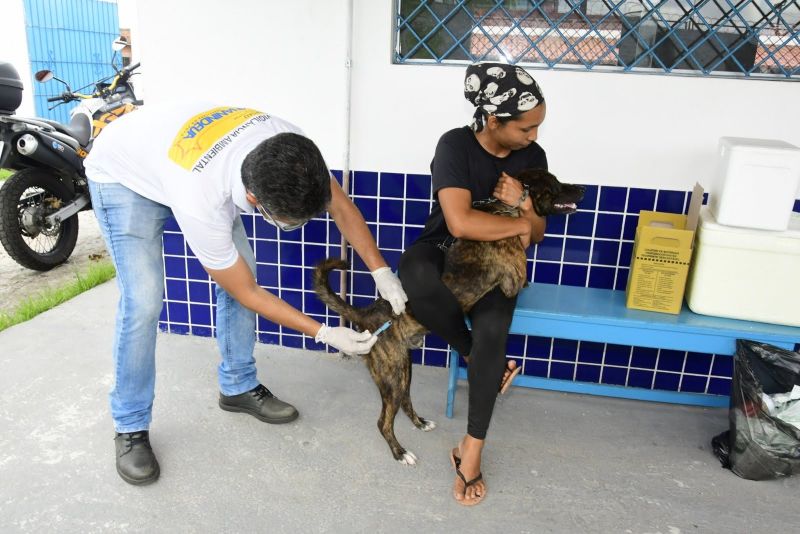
column 132, row 227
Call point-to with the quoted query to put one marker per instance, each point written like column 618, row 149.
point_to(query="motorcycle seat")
column 79, row 129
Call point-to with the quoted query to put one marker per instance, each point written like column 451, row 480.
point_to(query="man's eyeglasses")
column 286, row 227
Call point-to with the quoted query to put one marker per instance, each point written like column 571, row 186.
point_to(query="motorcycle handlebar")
column 122, row 76
column 63, row 97
column 126, row 72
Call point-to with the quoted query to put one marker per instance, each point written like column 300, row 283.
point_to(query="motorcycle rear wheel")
column 26, row 198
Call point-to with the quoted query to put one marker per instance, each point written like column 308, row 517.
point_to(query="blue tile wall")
column 590, row 248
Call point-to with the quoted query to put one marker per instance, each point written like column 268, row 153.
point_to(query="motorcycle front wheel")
column 26, row 198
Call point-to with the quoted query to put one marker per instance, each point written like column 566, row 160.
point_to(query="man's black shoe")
column 136, row 463
column 261, row 404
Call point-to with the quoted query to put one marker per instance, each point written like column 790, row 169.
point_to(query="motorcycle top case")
column 10, row 88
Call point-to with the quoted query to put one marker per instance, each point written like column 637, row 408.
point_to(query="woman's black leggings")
column 435, row 307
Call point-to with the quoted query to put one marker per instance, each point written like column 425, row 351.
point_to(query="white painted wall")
column 288, row 58
column 14, row 50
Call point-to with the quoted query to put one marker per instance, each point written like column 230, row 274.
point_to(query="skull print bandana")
column 500, row 90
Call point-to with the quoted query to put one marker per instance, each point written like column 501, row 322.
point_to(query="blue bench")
column 600, row 315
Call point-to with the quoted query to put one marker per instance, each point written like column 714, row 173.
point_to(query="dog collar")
column 484, row 202
column 523, row 197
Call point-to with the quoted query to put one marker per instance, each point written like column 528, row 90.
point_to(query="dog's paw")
column 408, row 458
column 427, row 425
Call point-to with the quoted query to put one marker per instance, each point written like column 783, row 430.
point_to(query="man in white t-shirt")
column 205, row 165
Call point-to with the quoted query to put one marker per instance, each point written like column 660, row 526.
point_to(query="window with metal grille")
column 752, row 38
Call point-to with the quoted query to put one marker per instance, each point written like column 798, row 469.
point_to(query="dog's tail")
column 327, row 295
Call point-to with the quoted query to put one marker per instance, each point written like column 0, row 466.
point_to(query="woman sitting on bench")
column 472, row 163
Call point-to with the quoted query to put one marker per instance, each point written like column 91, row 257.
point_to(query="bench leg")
column 452, row 382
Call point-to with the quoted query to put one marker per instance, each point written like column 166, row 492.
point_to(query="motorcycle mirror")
column 119, row 43
column 43, row 76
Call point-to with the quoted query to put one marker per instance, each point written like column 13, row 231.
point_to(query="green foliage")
column 96, row 274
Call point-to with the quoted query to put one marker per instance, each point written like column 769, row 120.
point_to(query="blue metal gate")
column 73, row 39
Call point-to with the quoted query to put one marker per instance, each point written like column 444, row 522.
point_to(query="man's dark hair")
column 287, row 174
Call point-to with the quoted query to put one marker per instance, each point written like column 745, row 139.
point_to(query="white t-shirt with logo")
column 188, row 157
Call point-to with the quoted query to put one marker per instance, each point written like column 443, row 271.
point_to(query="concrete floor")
column 555, row 462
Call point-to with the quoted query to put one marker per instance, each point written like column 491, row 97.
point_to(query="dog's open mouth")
column 566, row 203
column 567, row 208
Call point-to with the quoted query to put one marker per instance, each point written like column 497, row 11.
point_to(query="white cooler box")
column 756, row 183
column 746, row 274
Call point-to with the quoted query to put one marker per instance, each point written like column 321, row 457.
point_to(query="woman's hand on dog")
column 536, row 226
column 509, row 191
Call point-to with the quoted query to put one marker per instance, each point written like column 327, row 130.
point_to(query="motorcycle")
column 39, row 203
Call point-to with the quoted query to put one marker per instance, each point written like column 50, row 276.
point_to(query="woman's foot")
column 511, row 371
column 469, row 487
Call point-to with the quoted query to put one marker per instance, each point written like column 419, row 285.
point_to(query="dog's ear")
column 539, row 181
column 530, row 177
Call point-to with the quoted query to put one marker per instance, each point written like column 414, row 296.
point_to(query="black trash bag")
column 721, row 445
column 759, row 446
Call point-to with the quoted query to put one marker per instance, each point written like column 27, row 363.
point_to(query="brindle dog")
column 472, row 269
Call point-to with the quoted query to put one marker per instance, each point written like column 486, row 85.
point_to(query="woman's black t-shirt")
column 460, row 161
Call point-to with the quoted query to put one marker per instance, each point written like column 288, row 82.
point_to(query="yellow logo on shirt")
column 205, row 134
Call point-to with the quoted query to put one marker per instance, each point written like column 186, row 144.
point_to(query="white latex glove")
column 390, row 288
column 346, row 339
